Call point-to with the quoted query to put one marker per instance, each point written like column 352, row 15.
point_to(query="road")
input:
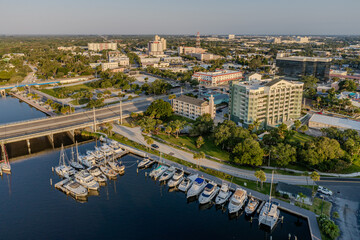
column 134, row 134
column 31, row 76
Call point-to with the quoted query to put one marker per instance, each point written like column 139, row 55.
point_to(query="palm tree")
column 149, row 141
column 315, row 176
column 297, row 124
column 199, row 155
column 256, row 124
column 261, row 176
column 302, row 197
column 168, row 130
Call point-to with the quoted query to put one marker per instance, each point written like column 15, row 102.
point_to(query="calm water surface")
column 132, row 207
column 12, row 110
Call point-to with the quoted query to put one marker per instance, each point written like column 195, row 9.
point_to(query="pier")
column 34, row 104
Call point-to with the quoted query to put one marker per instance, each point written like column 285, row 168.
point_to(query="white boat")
column 251, row 206
column 157, row 172
column 5, row 164
column 223, row 195
column 269, row 214
column 237, row 200
column 196, row 188
column 105, row 149
column 75, row 162
column 167, row 174
column 97, row 174
column 186, row 183
column 145, row 162
column 63, row 170
column 1, row 172
column 210, row 191
column 87, row 180
column 176, row 178
column 75, row 189
column 117, row 166
column 97, row 154
column 85, row 160
column 110, row 173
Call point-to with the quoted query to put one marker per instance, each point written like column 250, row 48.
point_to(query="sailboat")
column 270, row 213
column 75, row 163
column 62, row 169
column 5, row 164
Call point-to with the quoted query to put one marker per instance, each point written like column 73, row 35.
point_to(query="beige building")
column 219, row 77
column 117, row 56
column 189, row 50
column 272, row 102
column 102, row 46
column 192, row 108
column 157, row 46
column 109, row 65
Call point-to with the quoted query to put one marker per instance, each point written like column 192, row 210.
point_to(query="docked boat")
column 98, row 155
column 196, row 188
column 237, row 200
column 64, row 170
column 87, row 180
column 87, row 160
column 210, row 191
column 176, row 178
column 109, row 172
column 75, row 189
column 186, row 183
column 105, row 149
column 145, row 162
column 5, row 164
column 1, row 172
column 167, row 174
column 157, row 172
column 97, row 174
column 117, row 166
column 251, row 206
column 75, row 162
column 223, row 195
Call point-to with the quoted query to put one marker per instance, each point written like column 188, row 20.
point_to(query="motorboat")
column 85, row 160
column 97, row 174
column 117, row 166
column 176, row 178
column 64, row 170
column 105, row 149
column 145, row 162
column 251, row 206
column 196, row 188
column 157, row 172
column 223, row 195
column 186, row 183
column 75, row 189
column 109, row 172
column 97, row 154
column 237, row 200
column 87, row 180
column 5, row 164
column 269, row 214
column 167, row 174
column 210, row 191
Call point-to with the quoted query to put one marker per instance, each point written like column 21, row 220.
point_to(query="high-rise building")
column 294, row 67
column 231, row 36
column 157, row 46
column 219, row 77
column 271, row 103
column 102, row 46
column 193, row 108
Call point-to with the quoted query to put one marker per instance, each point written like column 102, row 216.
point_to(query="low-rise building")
column 116, row 56
column 193, row 108
column 188, row 50
column 231, row 36
column 219, row 77
column 102, row 46
column 205, row 56
column 109, row 65
column 253, row 76
column 149, row 61
column 319, row 121
column 294, row 192
column 172, row 59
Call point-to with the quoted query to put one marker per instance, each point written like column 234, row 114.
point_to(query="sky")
column 273, row 17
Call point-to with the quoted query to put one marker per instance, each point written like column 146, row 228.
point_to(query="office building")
column 271, row 103
column 190, row 50
column 157, row 46
column 101, row 46
column 116, row 56
column 295, row 67
column 109, row 65
column 193, row 108
column 219, row 77
column 205, row 56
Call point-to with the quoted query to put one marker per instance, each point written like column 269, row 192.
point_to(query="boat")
column 5, row 164
column 75, row 163
column 105, row 149
column 223, row 195
column 269, row 214
column 87, row 180
column 97, row 154
column 237, row 200
column 186, row 183
column 251, row 206
column 75, row 189
column 176, row 178
column 167, row 174
column 196, row 188
column 108, row 171
column 210, row 191
column 97, row 174
column 64, row 170
column 1, row 171
column 145, row 162
column 86, row 160
column 117, row 166
column 157, row 172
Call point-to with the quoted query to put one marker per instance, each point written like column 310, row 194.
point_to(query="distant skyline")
column 256, row 17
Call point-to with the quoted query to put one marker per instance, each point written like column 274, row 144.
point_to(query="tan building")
column 101, row 46
column 109, row 65
column 219, row 77
column 157, row 46
column 192, row 108
column 190, row 50
column 272, row 102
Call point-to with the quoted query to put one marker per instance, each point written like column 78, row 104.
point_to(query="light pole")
column 120, row 113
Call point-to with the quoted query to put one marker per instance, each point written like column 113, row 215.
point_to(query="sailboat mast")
column 272, row 178
column 77, row 152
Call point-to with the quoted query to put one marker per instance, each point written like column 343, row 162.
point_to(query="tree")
column 149, row 141
column 168, row 130
column 199, row 142
column 304, row 128
column 283, row 154
column 177, row 126
column 282, row 129
column 260, row 176
column 109, row 128
column 297, row 124
column 248, row 152
column 159, row 109
column 315, row 176
column 198, row 156
column 147, row 124
column 328, row 226
column 256, row 124
column 202, row 126
column 301, row 197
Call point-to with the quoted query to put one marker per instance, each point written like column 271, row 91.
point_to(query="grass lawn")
column 209, row 147
column 175, row 117
column 301, row 137
column 53, row 92
column 80, row 102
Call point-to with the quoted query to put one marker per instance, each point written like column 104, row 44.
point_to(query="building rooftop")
column 335, row 121
column 293, row 189
column 191, row 100
column 304, row 59
column 216, row 73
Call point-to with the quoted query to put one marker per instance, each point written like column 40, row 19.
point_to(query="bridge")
column 26, row 130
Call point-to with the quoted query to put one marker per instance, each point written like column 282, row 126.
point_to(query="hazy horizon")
column 209, row 17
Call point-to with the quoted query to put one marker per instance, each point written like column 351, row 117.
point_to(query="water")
column 12, row 110
column 132, row 207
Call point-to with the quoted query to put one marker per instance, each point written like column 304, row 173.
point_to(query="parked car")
column 325, row 191
column 154, row 146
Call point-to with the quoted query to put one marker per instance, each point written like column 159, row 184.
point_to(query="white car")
column 325, row 191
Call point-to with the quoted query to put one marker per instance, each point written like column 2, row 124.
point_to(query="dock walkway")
column 34, row 104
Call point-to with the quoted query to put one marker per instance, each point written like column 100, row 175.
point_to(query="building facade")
column 157, row 46
column 271, row 103
column 116, row 56
column 219, row 77
column 188, row 50
column 295, row 67
column 193, row 108
column 101, row 46
column 109, row 65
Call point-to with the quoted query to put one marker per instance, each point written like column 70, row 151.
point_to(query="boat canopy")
column 199, row 180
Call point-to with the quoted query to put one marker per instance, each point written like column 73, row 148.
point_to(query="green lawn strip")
column 53, row 91
column 175, row 117
column 80, row 102
column 301, row 137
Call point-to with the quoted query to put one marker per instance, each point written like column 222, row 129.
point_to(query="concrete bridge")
column 26, row 130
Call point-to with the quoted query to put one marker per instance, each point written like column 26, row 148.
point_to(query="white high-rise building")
column 157, row 46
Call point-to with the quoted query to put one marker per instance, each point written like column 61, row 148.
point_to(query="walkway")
column 34, row 104
column 135, row 135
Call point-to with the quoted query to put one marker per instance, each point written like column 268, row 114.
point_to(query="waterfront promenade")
column 34, row 104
